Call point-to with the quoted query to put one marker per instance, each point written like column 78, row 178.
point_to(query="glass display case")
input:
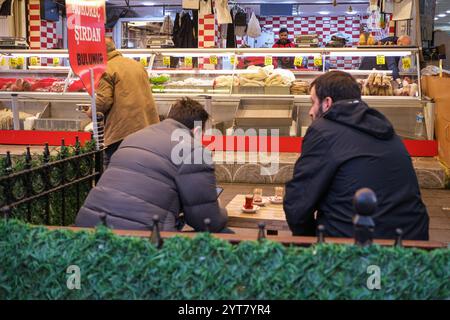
column 241, row 88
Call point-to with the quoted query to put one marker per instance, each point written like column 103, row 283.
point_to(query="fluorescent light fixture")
column 148, row 3
column 184, row 90
column 436, row 19
column 45, row 55
column 371, row 54
column 448, row 11
column 198, row 55
column 324, row 12
column 226, row 72
column 137, row 55
column 363, row 72
column 281, row 54
column 442, row 15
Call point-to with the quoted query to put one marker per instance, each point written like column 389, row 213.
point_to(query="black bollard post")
column 156, row 236
column 399, row 238
column 321, row 234
column 261, row 232
column 365, row 202
column 207, row 222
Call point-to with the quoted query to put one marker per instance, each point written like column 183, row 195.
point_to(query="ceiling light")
column 436, row 19
column 324, row 12
column 442, row 15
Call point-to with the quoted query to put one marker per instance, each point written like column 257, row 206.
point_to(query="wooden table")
column 271, row 214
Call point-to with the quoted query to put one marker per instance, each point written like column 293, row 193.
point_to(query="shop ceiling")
column 306, row 7
column 442, row 16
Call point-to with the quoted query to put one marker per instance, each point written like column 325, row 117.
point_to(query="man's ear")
column 328, row 102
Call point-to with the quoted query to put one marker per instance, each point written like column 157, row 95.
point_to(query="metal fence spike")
column 261, row 232
column 399, row 238
column 156, row 235
column 207, row 222
column 321, row 234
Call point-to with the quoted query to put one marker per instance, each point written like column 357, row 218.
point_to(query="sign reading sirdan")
column 86, row 39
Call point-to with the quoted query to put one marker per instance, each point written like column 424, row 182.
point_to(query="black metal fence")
column 51, row 189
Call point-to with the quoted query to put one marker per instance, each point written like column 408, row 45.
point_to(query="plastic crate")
column 60, row 124
column 277, row 90
column 248, row 90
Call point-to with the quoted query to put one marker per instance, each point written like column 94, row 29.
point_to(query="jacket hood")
column 358, row 115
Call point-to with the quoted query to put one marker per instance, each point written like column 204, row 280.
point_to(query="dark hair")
column 284, row 30
column 337, row 85
column 187, row 111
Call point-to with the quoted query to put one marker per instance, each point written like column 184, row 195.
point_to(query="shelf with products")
column 230, row 68
column 235, row 79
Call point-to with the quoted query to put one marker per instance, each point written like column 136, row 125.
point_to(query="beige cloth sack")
column 190, row 4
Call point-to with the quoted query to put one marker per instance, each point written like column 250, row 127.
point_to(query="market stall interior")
column 226, row 60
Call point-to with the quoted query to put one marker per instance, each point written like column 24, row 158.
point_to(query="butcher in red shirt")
column 284, row 42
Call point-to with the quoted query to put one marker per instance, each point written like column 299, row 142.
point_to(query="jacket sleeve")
column 105, row 94
column 196, row 185
column 313, row 173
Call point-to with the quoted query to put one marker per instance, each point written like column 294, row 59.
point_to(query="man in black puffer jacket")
column 347, row 147
column 161, row 169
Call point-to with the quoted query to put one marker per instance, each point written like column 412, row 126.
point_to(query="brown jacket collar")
column 113, row 54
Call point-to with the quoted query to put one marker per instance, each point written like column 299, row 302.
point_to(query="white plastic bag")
column 222, row 12
column 253, row 29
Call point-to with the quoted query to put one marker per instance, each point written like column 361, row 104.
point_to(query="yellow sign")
column 34, row 61
column 13, row 62
column 298, row 61
column 213, row 60
column 188, row 61
column 166, row 61
column 318, row 61
column 3, row 62
column 406, row 61
column 20, row 61
column 144, row 61
column 268, row 61
column 381, row 60
column 232, row 60
column 55, row 61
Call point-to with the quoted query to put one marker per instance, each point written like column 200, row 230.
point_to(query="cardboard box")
column 439, row 90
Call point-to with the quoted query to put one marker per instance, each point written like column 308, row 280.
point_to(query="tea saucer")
column 263, row 203
column 253, row 210
column 276, row 200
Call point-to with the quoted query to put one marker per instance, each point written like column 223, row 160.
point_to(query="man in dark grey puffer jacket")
column 152, row 174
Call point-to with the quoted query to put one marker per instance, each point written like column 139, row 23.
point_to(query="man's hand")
column 88, row 112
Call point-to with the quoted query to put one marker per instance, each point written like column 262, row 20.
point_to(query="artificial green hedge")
column 33, row 264
column 38, row 206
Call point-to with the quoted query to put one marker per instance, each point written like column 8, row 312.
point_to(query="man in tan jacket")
column 125, row 97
